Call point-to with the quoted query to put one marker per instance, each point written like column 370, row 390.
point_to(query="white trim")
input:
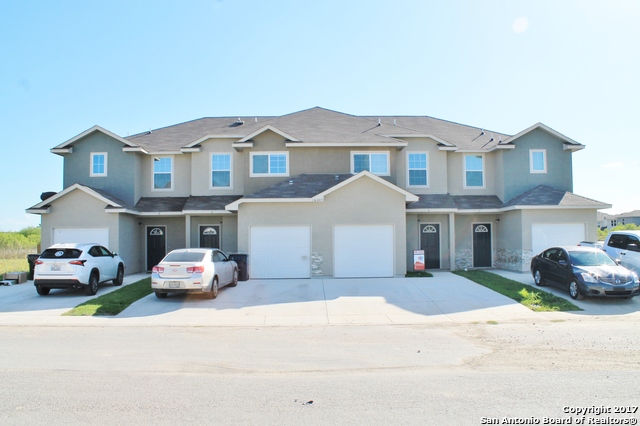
column 188, row 150
column 88, row 132
column 196, row 212
column 134, row 149
column 153, row 173
column 91, row 163
column 544, row 161
column 464, row 171
column 419, row 135
column 225, row 188
column 369, row 153
column 268, row 154
column 264, row 129
column 547, row 129
column 207, row 137
column 426, row 153
column 62, row 150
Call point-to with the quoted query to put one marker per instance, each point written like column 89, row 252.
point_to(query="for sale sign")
column 418, row 260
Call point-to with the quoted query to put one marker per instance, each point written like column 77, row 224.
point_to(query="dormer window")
column 538, row 160
column 98, row 164
column 162, row 173
column 374, row 162
column 269, row 164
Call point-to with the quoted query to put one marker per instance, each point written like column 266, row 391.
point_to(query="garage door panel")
column 545, row 235
column 81, row 235
column 280, row 252
column 363, row 251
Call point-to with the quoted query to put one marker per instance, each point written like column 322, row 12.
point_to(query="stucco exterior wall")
column 181, row 177
column 413, row 237
column 436, row 167
column 464, row 238
column 228, row 230
column 129, row 247
column 363, row 202
column 176, row 232
column 456, row 174
column 516, row 170
column 201, row 168
column 120, row 180
column 79, row 210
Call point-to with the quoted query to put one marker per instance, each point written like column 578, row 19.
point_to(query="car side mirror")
column 563, row 262
column 632, row 247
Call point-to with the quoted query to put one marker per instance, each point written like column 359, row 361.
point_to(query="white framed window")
column 538, row 160
column 162, row 173
column 417, row 169
column 98, row 164
column 220, row 170
column 474, row 171
column 374, row 162
column 269, row 164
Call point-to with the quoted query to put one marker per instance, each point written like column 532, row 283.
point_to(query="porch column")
column 187, row 234
column 452, row 241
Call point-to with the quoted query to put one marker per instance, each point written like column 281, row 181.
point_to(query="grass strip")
column 411, row 274
column 531, row 297
column 114, row 302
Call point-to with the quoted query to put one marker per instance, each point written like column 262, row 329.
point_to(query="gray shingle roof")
column 461, row 202
column 543, row 195
column 301, row 186
column 178, row 204
column 319, row 125
column 208, row 203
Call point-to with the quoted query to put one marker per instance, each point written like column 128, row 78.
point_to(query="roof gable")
column 66, row 147
column 569, row 143
column 105, row 197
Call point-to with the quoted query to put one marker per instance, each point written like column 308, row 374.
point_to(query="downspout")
column 452, row 242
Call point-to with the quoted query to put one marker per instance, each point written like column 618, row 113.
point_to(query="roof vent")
column 237, row 123
column 46, row 195
column 337, row 177
column 379, row 122
column 394, row 121
column 290, row 181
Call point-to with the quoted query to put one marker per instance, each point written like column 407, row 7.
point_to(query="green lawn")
column 114, row 302
column 531, row 297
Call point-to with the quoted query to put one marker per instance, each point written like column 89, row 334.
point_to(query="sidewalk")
column 445, row 298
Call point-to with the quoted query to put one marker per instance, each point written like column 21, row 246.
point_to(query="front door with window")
column 430, row 243
column 210, row 236
column 156, row 245
column 482, row 245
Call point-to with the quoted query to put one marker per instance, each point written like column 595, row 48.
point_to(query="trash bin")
column 31, row 258
column 243, row 269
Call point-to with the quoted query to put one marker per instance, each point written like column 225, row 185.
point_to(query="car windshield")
column 591, row 258
column 184, row 256
column 58, row 253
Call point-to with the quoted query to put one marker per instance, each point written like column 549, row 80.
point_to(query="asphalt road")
column 444, row 374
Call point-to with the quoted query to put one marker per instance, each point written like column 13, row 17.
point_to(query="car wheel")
column 234, row 281
column 214, row 288
column 160, row 295
column 42, row 291
column 537, row 277
column 574, row 291
column 119, row 279
column 92, row 288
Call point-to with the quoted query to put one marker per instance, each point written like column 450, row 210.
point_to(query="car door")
column 615, row 244
column 630, row 255
column 556, row 269
column 221, row 267
column 96, row 260
column 109, row 264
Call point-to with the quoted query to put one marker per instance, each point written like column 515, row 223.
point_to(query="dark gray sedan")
column 583, row 272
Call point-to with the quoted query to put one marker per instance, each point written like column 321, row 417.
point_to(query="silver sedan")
column 195, row 270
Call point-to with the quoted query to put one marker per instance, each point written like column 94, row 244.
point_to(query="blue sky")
column 131, row 66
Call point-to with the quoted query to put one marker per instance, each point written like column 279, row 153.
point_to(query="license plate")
column 174, row 284
column 55, row 267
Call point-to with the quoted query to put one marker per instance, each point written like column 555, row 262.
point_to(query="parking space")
column 445, row 298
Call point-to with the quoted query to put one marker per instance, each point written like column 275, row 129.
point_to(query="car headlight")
column 588, row 278
column 635, row 278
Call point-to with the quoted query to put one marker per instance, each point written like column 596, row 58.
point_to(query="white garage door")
column 280, row 252
column 363, row 251
column 81, row 235
column 545, row 235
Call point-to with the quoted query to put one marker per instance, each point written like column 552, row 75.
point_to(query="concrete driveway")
column 445, row 298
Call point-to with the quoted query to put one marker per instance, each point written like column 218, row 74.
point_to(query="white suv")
column 77, row 266
column 624, row 246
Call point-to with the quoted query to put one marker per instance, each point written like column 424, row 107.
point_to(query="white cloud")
column 520, row 25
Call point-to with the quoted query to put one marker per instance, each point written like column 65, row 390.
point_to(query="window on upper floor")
column 474, row 171
column 269, row 164
column 374, row 162
column 162, row 173
column 220, row 170
column 538, row 160
column 417, row 168
column 98, row 164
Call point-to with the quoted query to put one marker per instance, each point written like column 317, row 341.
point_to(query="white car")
column 77, row 266
column 625, row 247
column 195, row 270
